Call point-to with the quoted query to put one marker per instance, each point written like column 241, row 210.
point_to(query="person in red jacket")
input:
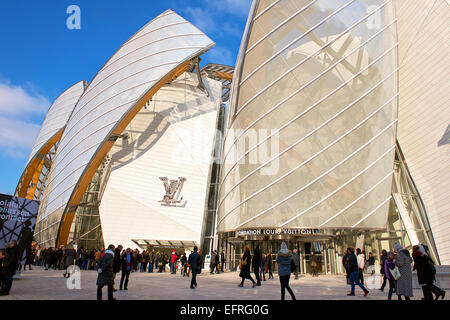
column 173, row 262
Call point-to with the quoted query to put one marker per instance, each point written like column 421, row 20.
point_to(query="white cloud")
column 18, row 108
column 16, row 101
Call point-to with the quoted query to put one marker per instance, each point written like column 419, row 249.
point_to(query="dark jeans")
column 194, row 278
column 269, row 270
column 384, row 282
column 354, row 280
column 256, row 272
column 7, row 283
column 360, row 275
column 284, row 281
column 391, row 288
column 143, row 267
column 296, row 272
column 150, row 267
column 126, row 276
column 110, row 292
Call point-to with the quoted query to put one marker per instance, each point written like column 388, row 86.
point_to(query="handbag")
column 395, row 273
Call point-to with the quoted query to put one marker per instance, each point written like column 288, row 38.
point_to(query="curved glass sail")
column 311, row 134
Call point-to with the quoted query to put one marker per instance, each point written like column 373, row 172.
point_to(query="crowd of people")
column 395, row 266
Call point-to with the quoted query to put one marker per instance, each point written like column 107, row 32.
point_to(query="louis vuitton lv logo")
column 173, row 190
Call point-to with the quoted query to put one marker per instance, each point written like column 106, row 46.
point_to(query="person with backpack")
column 286, row 266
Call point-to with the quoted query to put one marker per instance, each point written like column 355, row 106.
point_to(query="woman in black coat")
column 245, row 267
column 426, row 273
column 106, row 273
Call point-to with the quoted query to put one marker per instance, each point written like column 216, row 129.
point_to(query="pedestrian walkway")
column 50, row 285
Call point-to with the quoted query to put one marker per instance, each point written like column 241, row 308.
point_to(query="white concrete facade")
column 424, row 111
column 172, row 137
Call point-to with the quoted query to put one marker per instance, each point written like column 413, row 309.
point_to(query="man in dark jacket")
column 222, row 260
column 10, row 264
column 296, row 259
column 345, row 262
column 116, row 263
column 256, row 264
column 105, row 273
column 354, row 273
column 195, row 262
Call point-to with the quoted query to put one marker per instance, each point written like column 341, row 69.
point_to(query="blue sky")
column 40, row 57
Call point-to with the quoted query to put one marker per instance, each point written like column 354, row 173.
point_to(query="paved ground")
column 50, row 285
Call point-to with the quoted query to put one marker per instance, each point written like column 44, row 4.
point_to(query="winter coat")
column 361, row 260
column 257, row 257
column 195, row 261
column 106, row 272
column 382, row 259
column 388, row 265
column 345, row 261
column 173, row 258
column 352, row 263
column 423, row 265
column 123, row 261
column 296, row 258
column 404, row 283
column 284, row 259
column 245, row 269
column 116, row 262
column 69, row 256
column 11, row 261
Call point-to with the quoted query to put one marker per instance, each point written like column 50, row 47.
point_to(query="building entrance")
column 322, row 251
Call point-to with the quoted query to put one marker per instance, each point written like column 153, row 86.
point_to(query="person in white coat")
column 361, row 263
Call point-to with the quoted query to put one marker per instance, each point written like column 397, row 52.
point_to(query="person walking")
column 127, row 262
column 195, row 264
column 256, row 263
column 383, row 257
column 354, row 273
column 116, row 263
column 286, row 264
column 345, row 263
column 245, row 267
column 314, row 261
column 70, row 255
column 269, row 265
column 173, row 262
column 296, row 259
column 106, row 273
column 212, row 262
column 217, row 263
column 222, row 260
column 371, row 264
column 389, row 265
column 10, row 264
column 361, row 264
column 183, row 261
column 262, row 269
column 151, row 262
column 404, row 283
column 426, row 273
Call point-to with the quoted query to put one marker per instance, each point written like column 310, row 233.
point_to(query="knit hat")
column 284, row 248
column 397, row 247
